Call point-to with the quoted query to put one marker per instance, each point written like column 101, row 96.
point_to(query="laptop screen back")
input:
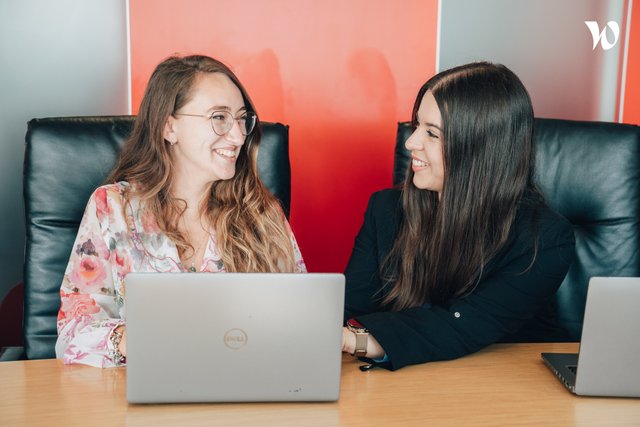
column 233, row 337
column 609, row 360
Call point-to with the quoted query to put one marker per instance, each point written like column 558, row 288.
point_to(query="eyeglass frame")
column 235, row 119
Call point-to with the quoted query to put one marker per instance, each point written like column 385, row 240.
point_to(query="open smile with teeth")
column 229, row 154
column 419, row 163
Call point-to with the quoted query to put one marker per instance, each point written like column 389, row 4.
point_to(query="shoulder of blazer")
column 386, row 204
column 383, row 216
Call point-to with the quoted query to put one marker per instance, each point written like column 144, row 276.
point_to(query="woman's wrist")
column 118, row 343
column 374, row 349
column 348, row 341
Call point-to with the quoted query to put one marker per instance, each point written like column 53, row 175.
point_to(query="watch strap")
column 362, row 337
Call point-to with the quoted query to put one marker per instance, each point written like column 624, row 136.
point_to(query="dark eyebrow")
column 219, row 108
column 435, row 126
column 428, row 124
column 224, row 108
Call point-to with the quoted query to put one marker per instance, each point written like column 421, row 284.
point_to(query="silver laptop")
column 609, row 360
column 233, row 337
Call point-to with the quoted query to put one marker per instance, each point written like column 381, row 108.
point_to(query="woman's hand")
column 374, row 349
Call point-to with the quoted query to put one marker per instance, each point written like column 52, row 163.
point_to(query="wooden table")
column 505, row 384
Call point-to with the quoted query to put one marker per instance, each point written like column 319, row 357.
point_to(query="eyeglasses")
column 222, row 121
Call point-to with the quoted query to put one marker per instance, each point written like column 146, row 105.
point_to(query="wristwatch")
column 362, row 337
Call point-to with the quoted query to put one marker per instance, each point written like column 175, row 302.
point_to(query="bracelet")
column 116, row 356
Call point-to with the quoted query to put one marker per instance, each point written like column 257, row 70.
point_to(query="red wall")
column 631, row 112
column 341, row 74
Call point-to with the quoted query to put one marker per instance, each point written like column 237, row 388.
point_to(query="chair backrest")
column 65, row 160
column 590, row 173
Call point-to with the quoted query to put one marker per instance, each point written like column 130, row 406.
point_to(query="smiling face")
column 201, row 156
column 426, row 146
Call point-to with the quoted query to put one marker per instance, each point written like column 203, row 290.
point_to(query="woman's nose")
column 412, row 142
column 234, row 135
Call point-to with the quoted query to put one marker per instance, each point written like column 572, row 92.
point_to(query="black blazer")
column 510, row 302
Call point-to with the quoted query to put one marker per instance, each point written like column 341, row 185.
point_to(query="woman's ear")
column 169, row 132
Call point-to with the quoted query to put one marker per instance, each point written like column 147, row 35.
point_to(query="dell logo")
column 235, row 338
column 601, row 36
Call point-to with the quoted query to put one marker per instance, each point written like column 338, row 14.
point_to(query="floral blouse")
column 112, row 242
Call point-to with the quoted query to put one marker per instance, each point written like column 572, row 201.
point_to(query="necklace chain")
column 192, row 268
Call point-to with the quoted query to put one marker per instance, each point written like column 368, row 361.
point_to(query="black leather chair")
column 590, row 173
column 65, row 160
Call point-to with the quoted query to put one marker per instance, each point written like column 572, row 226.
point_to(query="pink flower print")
column 76, row 305
column 88, row 274
column 73, row 354
column 149, row 223
column 101, row 248
column 102, row 207
column 122, row 262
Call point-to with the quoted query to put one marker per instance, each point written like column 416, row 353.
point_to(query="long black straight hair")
column 445, row 240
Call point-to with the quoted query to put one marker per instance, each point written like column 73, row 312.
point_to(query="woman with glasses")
column 466, row 254
column 184, row 196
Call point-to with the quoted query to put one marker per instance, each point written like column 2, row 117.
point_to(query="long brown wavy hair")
column 248, row 220
column 444, row 241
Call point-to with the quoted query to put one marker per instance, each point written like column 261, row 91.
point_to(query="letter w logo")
column 602, row 36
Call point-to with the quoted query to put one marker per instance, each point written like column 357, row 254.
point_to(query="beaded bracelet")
column 116, row 356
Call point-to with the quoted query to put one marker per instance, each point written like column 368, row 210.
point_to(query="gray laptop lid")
column 609, row 359
column 233, row 337
column 608, row 363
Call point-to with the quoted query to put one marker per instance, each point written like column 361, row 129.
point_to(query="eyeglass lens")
column 222, row 122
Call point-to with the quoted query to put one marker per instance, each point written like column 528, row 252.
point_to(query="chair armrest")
column 9, row 354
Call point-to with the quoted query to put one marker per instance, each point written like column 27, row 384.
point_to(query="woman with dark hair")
column 466, row 254
column 184, row 196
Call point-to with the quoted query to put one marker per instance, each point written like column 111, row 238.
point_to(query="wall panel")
column 59, row 58
column 545, row 42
